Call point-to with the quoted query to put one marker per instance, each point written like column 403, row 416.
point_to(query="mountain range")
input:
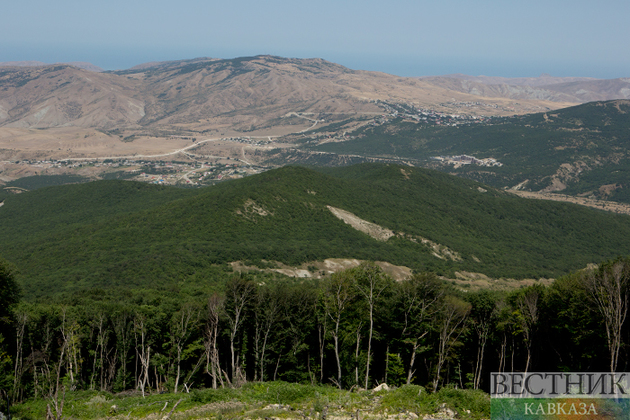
column 545, row 87
column 80, row 64
column 311, row 111
column 203, row 93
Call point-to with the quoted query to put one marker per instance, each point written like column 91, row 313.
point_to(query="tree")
column 18, row 370
column 239, row 292
column 371, row 283
column 450, row 326
column 483, row 313
column 527, row 313
column 143, row 349
column 266, row 315
column 183, row 324
column 418, row 300
column 70, row 333
column 337, row 295
column 608, row 288
column 576, row 333
column 299, row 325
column 215, row 309
column 101, row 335
column 123, row 329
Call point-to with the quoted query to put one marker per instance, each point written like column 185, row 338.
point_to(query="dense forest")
column 122, row 288
column 127, row 234
column 353, row 329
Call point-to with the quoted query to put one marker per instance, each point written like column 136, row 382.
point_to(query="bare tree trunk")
column 123, row 340
column 182, row 331
column 187, row 384
column 97, row 363
column 337, row 358
column 215, row 307
column 144, row 352
column 111, row 369
column 479, row 364
column 371, row 290
column 528, row 308
column 419, row 296
column 337, row 296
column 70, row 337
column 266, row 315
column 45, row 386
column 502, row 353
column 275, row 372
column 386, row 362
column 257, row 345
column 22, row 319
column 369, row 352
column 145, row 359
column 262, row 355
column 104, row 341
column 412, row 361
column 321, row 333
column 356, row 355
column 240, row 292
column 35, row 378
column 57, row 403
column 54, row 395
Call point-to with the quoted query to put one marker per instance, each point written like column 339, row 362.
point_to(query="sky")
column 507, row 38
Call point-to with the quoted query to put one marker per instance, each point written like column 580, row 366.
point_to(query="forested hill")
column 578, row 150
column 124, row 234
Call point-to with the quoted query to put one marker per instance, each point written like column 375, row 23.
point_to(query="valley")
column 267, row 95
column 257, row 113
column 280, row 238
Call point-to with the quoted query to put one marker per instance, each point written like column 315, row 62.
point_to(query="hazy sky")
column 402, row 37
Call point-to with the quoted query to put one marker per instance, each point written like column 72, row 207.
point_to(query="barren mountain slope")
column 270, row 87
column 574, row 90
column 595, row 90
column 258, row 87
column 22, row 64
column 542, row 80
column 54, row 96
column 204, row 93
column 80, row 64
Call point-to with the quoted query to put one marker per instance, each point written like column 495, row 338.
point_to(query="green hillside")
column 591, row 140
column 125, row 234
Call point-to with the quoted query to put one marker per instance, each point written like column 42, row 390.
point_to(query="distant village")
column 466, row 160
column 406, row 112
column 155, row 172
column 199, row 172
column 429, row 116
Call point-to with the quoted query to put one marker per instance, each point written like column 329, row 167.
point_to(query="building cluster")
column 409, row 112
column 255, row 141
column 156, row 172
column 471, row 104
column 107, row 163
column 198, row 174
column 467, row 160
